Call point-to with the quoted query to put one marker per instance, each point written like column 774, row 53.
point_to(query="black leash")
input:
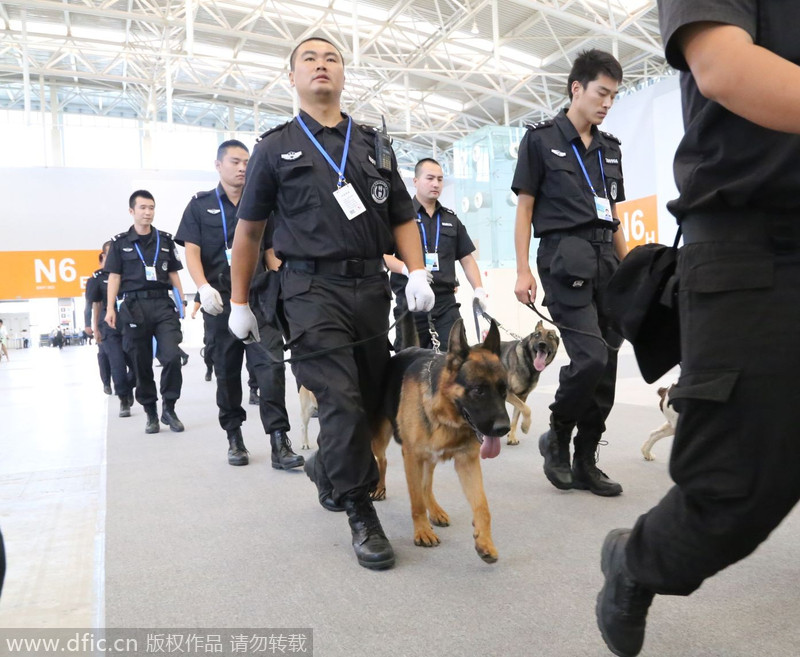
column 476, row 308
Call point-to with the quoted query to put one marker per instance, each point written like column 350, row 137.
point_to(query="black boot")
column 323, row 484
column 152, row 425
column 587, row 476
column 622, row 603
column 237, row 452
column 254, row 401
column 124, row 406
column 169, row 417
column 554, row 446
column 370, row 544
column 283, row 458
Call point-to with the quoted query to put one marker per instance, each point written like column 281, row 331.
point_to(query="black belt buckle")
column 354, row 268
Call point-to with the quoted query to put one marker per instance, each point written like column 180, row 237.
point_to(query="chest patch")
column 379, row 191
column 612, row 160
column 557, row 152
column 291, row 155
column 213, row 210
column 164, row 266
column 127, row 249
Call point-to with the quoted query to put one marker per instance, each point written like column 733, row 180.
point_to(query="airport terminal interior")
column 156, row 536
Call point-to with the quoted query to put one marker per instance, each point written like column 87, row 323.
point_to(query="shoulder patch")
column 273, row 129
column 541, row 124
column 611, row 137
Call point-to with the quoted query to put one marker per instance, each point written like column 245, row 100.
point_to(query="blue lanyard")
column 224, row 224
column 425, row 237
column 139, row 251
column 340, row 169
column 602, row 171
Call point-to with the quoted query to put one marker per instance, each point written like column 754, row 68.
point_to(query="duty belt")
column 350, row 268
column 779, row 230
column 147, row 294
column 597, row 235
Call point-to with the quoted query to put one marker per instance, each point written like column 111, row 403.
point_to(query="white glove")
column 419, row 294
column 427, row 271
column 243, row 324
column 210, row 300
column 480, row 296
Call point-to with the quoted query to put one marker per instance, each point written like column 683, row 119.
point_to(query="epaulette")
column 165, row 233
column 611, row 137
column 448, row 210
column 119, row 235
column 97, row 273
column 540, row 124
column 373, row 130
column 277, row 127
column 203, row 193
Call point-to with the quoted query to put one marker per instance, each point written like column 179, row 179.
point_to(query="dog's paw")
column 512, row 439
column 487, row 552
column 378, row 495
column 426, row 537
column 305, row 446
column 439, row 517
column 648, row 456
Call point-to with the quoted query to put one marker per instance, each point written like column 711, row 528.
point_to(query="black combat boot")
column 554, row 446
column 283, row 458
column 237, row 452
column 254, row 400
column 324, row 488
column 169, row 417
column 622, row 603
column 587, row 476
column 152, row 425
column 370, row 544
column 124, row 406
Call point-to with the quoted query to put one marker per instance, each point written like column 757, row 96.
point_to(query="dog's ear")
column 457, row 342
column 539, row 326
column 492, row 341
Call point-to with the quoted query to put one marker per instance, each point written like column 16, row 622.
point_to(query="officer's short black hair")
column 418, row 166
column 104, row 250
column 231, row 143
column 590, row 65
column 139, row 193
column 293, row 56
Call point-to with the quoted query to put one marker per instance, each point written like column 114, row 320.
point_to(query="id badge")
column 432, row 261
column 150, row 273
column 603, row 207
column 347, row 198
column 228, row 254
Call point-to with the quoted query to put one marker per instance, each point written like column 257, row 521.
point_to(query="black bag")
column 642, row 302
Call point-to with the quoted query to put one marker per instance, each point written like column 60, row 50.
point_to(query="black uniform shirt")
column 723, row 160
column 454, row 244
column 123, row 259
column 548, row 170
column 289, row 177
column 202, row 223
column 96, row 288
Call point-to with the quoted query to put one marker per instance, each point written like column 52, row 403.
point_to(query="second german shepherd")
column 441, row 407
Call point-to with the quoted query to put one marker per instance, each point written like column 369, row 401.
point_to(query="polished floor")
column 106, row 526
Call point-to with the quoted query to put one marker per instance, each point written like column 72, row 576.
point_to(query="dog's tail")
column 407, row 331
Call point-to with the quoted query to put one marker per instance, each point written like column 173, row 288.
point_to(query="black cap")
column 641, row 300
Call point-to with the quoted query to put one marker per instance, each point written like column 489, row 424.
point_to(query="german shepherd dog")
column 441, row 407
column 525, row 360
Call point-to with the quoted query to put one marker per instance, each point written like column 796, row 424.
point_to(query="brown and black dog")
column 441, row 407
column 525, row 360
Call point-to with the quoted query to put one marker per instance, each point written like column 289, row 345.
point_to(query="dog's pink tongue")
column 490, row 447
column 540, row 362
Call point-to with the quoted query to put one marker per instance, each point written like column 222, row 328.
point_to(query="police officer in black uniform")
column 206, row 230
column 568, row 180
column 110, row 353
column 444, row 240
column 143, row 267
column 338, row 205
column 92, row 287
column 736, row 455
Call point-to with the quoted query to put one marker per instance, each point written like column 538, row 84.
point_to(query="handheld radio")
column 383, row 148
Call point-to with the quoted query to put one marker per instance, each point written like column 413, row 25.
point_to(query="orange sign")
column 639, row 220
column 45, row 274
